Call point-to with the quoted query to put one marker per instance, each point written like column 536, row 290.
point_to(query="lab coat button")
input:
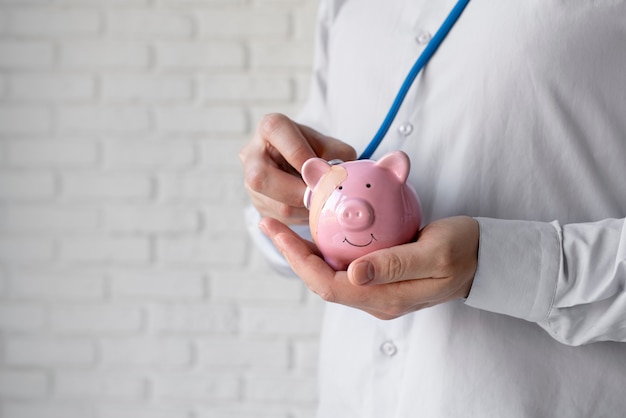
column 423, row 37
column 405, row 129
column 388, row 348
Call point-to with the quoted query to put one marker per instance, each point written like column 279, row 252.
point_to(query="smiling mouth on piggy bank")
column 372, row 239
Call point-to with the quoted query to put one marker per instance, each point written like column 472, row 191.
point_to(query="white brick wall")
column 128, row 285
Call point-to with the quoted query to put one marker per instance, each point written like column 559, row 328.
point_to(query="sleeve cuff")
column 518, row 268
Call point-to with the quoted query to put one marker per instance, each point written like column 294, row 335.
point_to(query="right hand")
column 272, row 162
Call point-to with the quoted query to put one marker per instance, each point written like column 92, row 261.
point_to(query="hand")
column 389, row 283
column 272, row 161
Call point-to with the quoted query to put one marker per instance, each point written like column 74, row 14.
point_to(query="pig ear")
column 398, row 163
column 312, row 171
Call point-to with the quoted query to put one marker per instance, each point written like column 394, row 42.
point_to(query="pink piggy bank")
column 357, row 207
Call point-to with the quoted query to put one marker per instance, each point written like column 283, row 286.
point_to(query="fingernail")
column 364, row 272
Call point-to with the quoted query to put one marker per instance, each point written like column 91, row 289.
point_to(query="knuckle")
column 394, row 310
column 326, row 293
column 243, row 153
column 285, row 211
column 444, row 261
column 256, row 179
column 347, row 152
column 270, row 123
column 394, row 267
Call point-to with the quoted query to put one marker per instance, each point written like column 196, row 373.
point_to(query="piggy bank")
column 357, row 207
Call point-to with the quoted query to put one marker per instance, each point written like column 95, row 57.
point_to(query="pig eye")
column 368, row 185
column 340, row 188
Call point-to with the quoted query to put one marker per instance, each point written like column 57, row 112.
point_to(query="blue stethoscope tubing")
column 421, row 62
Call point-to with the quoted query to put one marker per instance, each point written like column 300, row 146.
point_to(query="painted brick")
column 96, row 319
column 89, row 385
column 222, row 153
column 23, row 54
column 263, row 286
column 44, row 218
column 150, row 24
column 244, row 410
column 48, row 87
column 42, row 351
column 201, row 187
column 225, row 219
column 26, row 185
column 268, row 55
column 158, row 284
column 150, row 219
column 48, row 284
column 52, row 153
column 200, row 56
column 24, row 119
column 53, row 22
column 117, row 3
column 257, row 112
column 145, row 352
column 48, row 409
column 306, row 355
column 20, row 249
column 223, row 120
column 146, row 88
column 303, row 24
column 280, row 321
column 204, row 3
column 128, row 284
column 103, row 119
column 3, row 81
column 111, row 185
column 102, row 55
column 22, row 384
column 22, row 318
column 150, row 154
column 302, row 83
column 3, row 283
column 229, row 252
column 252, row 23
column 242, row 87
column 281, row 388
column 203, row 387
column 142, row 410
column 197, row 319
column 3, row 22
column 230, row 353
column 100, row 249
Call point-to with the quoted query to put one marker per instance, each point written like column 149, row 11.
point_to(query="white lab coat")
column 520, row 121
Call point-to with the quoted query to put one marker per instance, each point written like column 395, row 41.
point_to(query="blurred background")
column 128, row 285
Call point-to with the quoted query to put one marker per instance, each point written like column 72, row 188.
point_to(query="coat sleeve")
column 569, row 279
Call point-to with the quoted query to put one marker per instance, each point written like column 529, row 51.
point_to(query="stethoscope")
column 421, row 62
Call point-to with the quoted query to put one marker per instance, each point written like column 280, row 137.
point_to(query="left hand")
column 392, row 282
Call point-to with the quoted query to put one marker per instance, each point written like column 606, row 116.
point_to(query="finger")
column 332, row 286
column 287, row 138
column 303, row 257
column 327, row 147
column 271, row 181
column 386, row 301
column 286, row 214
column 400, row 263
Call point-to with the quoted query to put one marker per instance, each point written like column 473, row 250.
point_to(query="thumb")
column 361, row 272
column 395, row 264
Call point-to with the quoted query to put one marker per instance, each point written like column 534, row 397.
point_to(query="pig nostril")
column 356, row 214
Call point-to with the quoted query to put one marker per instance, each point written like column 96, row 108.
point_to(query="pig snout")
column 355, row 214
